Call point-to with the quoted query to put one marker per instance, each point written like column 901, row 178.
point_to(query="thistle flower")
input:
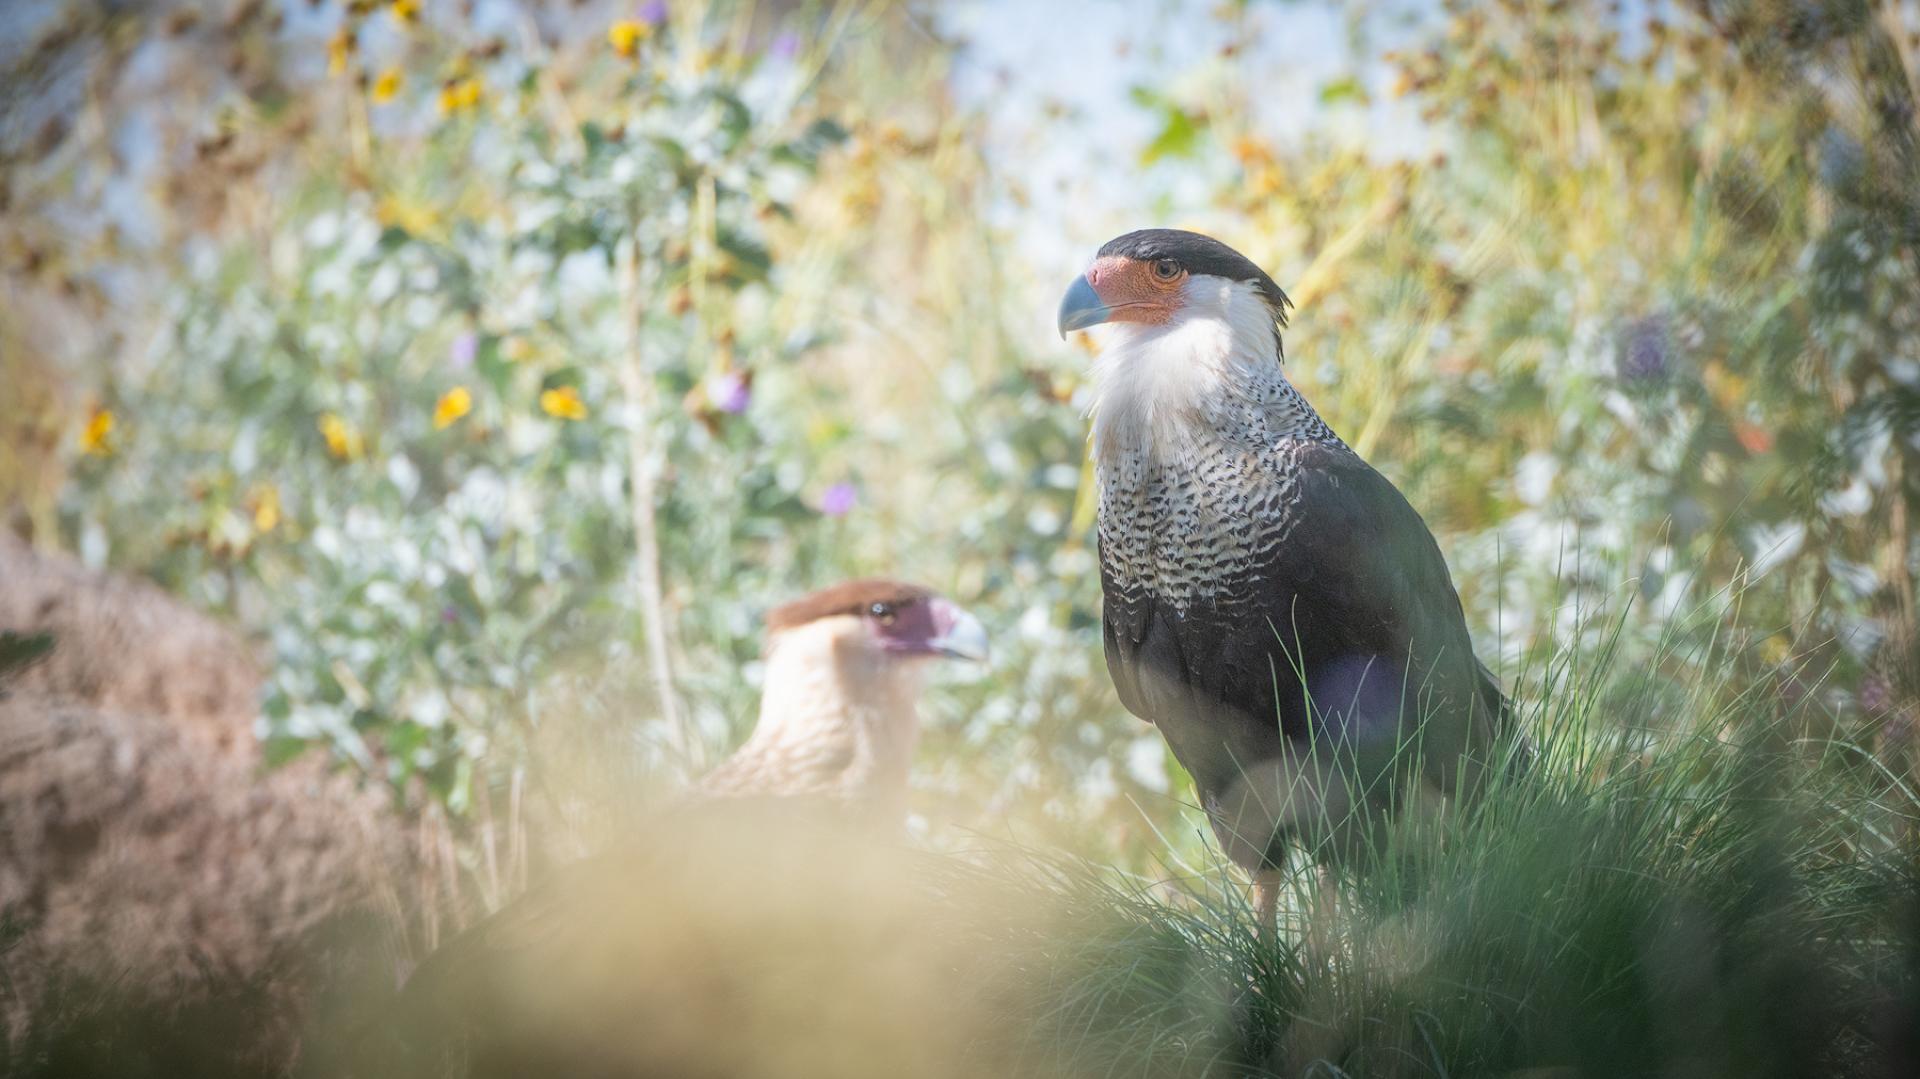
column 453, row 404
column 461, row 352
column 786, row 46
column 839, row 499
column 564, row 403
column 1875, row 695
column 730, row 391
column 653, row 12
column 1645, row 351
column 96, row 437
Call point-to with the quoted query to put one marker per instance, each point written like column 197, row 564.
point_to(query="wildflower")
column 460, row 354
column 452, row 405
column 386, row 86
column 410, row 215
column 96, row 438
column 839, row 499
column 1645, row 351
column 266, row 507
column 1752, row 437
column 786, row 46
column 730, row 391
column 459, row 94
column 653, row 12
column 342, row 440
column 563, row 402
column 1875, row 694
column 405, row 12
column 626, row 35
column 339, row 51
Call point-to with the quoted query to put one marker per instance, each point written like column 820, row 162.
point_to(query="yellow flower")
column 405, row 11
column 626, row 35
column 342, row 440
column 564, row 402
column 95, row 439
column 266, row 507
column 386, row 86
column 339, row 50
column 459, row 94
column 454, row 404
column 406, row 213
column 519, row 348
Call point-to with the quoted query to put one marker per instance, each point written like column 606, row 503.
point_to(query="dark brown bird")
column 1272, row 603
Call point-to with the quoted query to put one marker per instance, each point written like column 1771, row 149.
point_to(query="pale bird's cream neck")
column 830, row 676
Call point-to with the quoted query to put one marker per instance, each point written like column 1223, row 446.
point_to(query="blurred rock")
column 149, row 865
column 126, row 647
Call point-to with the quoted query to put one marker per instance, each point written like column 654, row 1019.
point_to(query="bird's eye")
column 1166, row 269
column 883, row 612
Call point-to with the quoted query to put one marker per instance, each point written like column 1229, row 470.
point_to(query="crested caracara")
column 1272, row 603
column 838, row 721
column 838, row 711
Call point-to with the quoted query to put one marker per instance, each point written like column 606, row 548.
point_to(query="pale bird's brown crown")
column 847, row 598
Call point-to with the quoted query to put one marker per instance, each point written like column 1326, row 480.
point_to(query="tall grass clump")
column 1682, row 900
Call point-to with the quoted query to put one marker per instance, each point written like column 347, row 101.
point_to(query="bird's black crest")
column 1199, row 255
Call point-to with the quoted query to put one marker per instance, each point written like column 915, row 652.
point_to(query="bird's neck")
column 1164, row 390
column 822, row 683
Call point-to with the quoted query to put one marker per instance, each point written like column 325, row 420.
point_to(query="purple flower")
column 1645, row 351
column 460, row 354
column 1875, row 694
column 838, row 499
column 653, row 12
column 786, row 46
column 729, row 392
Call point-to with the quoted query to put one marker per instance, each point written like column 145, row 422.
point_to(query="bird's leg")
column 1266, row 903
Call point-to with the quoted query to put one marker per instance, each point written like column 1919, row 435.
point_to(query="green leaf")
column 1347, row 89
column 1177, row 138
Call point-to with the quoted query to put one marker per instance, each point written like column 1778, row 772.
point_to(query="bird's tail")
column 1508, row 737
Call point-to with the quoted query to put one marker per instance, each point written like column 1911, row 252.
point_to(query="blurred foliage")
column 443, row 309
column 1644, row 312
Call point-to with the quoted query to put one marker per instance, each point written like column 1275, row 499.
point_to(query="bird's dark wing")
column 1354, row 609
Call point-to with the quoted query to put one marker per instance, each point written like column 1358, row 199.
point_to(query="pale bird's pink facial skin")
column 929, row 627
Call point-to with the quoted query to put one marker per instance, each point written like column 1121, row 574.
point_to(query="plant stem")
column 653, row 609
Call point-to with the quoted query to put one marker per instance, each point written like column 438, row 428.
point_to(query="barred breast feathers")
column 1195, row 433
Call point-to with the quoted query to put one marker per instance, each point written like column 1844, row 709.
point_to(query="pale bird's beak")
column 1082, row 307
column 958, row 635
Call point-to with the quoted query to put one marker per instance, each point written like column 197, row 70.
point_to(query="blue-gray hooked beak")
column 959, row 635
column 1081, row 307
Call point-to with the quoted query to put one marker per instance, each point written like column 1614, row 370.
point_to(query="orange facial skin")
column 1137, row 291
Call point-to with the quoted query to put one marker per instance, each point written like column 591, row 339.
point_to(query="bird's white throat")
column 1159, row 387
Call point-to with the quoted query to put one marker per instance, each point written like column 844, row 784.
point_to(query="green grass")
column 1645, row 900
column 1642, row 902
